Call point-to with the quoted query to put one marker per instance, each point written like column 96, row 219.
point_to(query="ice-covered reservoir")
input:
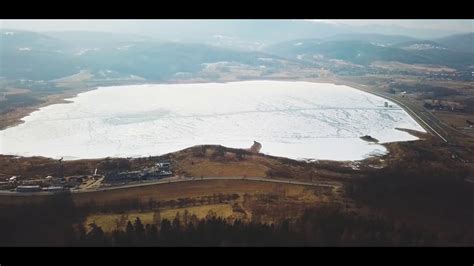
column 299, row 120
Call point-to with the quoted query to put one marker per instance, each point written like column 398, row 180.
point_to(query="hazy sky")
column 117, row 25
column 433, row 24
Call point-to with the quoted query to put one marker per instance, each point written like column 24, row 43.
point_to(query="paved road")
column 185, row 179
column 431, row 124
column 196, row 179
column 425, row 123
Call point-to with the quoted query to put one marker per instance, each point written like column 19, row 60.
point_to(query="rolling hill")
column 366, row 52
column 419, row 45
column 378, row 39
column 458, row 42
column 53, row 55
column 30, row 55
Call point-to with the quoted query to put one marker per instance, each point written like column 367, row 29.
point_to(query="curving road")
column 430, row 123
column 417, row 118
column 196, row 179
column 186, row 179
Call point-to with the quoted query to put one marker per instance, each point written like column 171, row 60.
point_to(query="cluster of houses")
column 46, row 184
column 59, row 184
column 159, row 170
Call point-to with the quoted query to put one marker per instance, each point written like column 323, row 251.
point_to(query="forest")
column 58, row 222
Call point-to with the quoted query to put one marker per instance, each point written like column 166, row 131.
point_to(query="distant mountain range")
column 243, row 31
column 366, row 48
column 380, row 39
column 458, row 42
column 252, row 34
column 48, row 56
column 29, row 55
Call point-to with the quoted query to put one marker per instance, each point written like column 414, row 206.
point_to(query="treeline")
column 58, row 222
column 135, row 204
column 428, row 190
column 323, row 226
column 47, row 223
column 429, row 183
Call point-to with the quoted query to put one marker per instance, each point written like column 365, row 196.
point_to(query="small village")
column 104, row 174
column 61, row 183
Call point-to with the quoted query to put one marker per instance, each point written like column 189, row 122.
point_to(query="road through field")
column 197, row 179
column 184, row 179
column 429, row 124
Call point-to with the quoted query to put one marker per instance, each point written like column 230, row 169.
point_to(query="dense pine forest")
column 57, row 222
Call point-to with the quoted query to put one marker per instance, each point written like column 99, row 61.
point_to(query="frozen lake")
column 291, row 119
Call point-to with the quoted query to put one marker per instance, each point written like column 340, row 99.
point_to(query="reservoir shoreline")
column 230, row 82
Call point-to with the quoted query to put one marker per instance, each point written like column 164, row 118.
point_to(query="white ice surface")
column 291, row 119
